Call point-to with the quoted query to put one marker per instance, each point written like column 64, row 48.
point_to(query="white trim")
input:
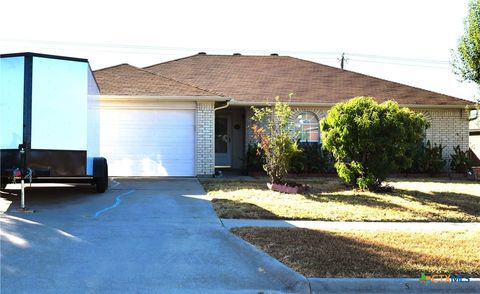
column 314, row 104
column 430, row 106
column 313, row 126
column 147, row 107
column 147, row 104
column 161, row 98
column 242, row 103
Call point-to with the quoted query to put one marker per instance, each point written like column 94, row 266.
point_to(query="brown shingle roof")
column 125, row 79
column 258, row 78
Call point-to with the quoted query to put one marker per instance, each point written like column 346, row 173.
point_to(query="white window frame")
column 299, row 123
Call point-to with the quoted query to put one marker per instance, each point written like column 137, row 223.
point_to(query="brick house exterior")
column 448, row 127
column 204, row 131
column 223, row 88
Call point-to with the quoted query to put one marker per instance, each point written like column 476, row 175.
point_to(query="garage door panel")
column 148, row 142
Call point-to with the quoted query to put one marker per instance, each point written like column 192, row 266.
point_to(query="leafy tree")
column 272, row 130
column 370, row 140
column 466, row 62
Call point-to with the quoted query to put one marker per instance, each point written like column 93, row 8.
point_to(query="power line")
column 150, row 50
column 403, row 64
column 419, row 60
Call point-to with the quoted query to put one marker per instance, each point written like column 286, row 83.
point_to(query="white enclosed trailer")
column 49, row 120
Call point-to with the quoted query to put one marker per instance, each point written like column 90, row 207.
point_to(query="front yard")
column 368, row 254
column 329, row 199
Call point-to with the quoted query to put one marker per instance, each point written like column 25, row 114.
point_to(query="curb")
column 292, row 281
column 389, row 285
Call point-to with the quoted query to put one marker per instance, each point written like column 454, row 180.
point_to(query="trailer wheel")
column 100, row 174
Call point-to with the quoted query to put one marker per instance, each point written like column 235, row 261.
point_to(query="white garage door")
column 144, row 142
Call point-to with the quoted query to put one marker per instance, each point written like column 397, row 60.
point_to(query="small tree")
column 275, row 138
column 370, row 140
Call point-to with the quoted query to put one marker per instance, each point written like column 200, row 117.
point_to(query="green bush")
column 312, row 158
column 255, row 159
column 461, row 162
column 417, row 154
column 431, row 160
column 370, row 140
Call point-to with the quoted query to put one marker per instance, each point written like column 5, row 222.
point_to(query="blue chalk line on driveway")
column 118, row 200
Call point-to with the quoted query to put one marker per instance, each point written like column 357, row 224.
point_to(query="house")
column 186, row 117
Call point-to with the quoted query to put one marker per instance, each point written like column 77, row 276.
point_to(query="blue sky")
column 405, row 41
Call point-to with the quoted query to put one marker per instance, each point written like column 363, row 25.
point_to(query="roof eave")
column 438, row 106
column 320, row 104
column 129, row 98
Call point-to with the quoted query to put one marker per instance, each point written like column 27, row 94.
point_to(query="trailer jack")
column 22, row 174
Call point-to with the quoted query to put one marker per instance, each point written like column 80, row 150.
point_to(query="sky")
column 408, row 41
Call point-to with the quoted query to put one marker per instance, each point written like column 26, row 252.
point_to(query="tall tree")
column 466, row 61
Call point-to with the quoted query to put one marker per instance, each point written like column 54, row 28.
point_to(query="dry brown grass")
column 368, row 254
column 329, row 199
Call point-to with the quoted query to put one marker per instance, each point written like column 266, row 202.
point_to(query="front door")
column 223, row 142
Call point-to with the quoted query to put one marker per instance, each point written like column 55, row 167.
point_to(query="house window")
column 308, row 127
column 428, row 117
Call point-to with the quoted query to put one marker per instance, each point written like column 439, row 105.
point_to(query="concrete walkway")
column 374, row 226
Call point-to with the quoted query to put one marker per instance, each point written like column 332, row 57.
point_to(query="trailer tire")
column 100, row 174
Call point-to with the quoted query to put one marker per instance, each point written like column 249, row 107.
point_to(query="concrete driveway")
column 142, row 236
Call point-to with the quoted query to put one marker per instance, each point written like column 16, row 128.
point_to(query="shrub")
column 312, row 158
column 255, row 159
column 461, row 162
column 370, row 140
column 272, row 130
column 431, row 161
column 417, row 154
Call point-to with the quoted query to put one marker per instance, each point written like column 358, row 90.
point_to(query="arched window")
column 308, row 127
column 428, row 117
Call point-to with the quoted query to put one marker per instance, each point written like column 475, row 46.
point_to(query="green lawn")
column 329, row 199
column 368, row 254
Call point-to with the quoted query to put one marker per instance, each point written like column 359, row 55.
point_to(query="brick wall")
column 205, row 148
column 449, row 127
column 319, row 112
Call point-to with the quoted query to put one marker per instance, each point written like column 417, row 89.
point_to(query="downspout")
column 227, row 103
column 224, row 106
